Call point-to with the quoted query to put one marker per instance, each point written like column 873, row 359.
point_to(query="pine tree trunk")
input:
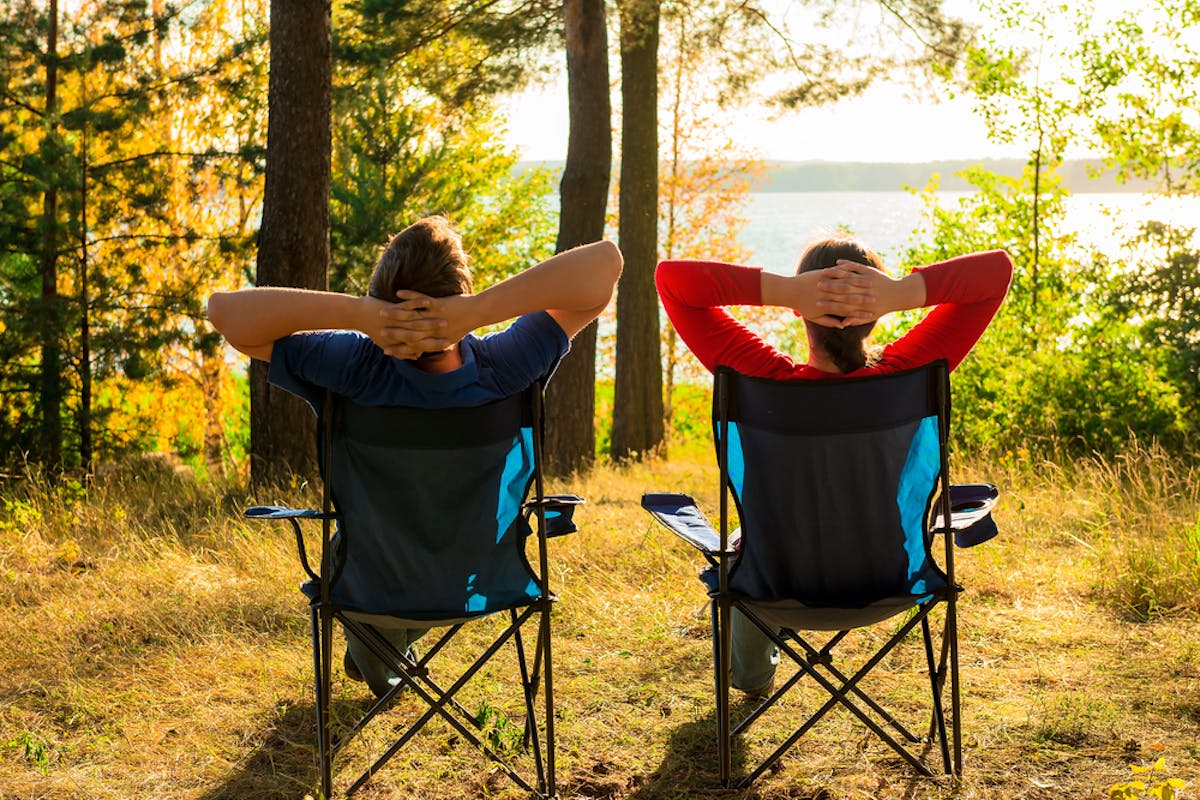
column 211, row 370
column 50, row 395
column 637, row 406
column 293, row 243
column 583, row 193
column 85, row 318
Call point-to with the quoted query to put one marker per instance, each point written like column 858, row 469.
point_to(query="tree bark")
column 293, row 243
column 85, row 313
column 50, row 395
column 583, row 194
column 637, row 406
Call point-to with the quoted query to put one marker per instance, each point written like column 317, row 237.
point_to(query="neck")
column 819, row 359
column 446, row 361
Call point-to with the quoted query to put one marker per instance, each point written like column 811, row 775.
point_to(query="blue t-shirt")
column 351, row 365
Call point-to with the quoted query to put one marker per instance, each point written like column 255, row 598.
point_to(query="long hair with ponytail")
column 846, row 347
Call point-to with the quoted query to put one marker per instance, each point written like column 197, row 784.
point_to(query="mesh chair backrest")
column 429, row 503
column 833, row 481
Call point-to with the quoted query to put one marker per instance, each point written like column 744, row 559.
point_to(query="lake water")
column 780, row 223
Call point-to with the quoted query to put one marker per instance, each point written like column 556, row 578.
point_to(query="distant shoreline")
column 864, row 176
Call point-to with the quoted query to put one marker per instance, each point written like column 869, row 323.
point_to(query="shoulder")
column 313, row 349
column 306, row 364
column 538, row 327
column 526, row 351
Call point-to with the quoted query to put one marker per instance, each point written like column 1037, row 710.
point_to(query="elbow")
column 610, row 263
column 223, row 316
column 217, row 310
column 1004, row 266
column 664, row 275
column 614, row 262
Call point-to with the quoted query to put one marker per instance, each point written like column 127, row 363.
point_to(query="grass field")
column 155, row 646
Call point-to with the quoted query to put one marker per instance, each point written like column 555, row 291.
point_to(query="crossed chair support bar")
column 414, row 676
column 810, row 662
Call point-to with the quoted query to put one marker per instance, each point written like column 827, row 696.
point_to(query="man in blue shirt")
column 409, row 341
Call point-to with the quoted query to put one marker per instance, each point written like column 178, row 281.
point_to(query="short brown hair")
column 846, row 347
column 425, row 257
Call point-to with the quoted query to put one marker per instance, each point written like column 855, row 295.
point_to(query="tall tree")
column 1023, row 103
column 414, row 133
column 86, row 218
column 637, row 404
column 583, row 195
column 1140, row 90
column 706, row 175
column 293, row 243
column 51, row 368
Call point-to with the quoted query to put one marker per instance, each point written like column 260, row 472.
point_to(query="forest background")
column 133, row 149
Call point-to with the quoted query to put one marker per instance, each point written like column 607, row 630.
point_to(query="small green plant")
column 1074, row 720
column 1148, row 782
column 35, row 750
column 1191, row 541
column 19, row 516
column 496, row 731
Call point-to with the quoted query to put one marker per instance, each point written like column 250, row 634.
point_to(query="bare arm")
column 573, row 287
column 253, row 319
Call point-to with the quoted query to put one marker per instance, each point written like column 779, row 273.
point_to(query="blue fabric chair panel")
column 430, row 510
column 816, row 492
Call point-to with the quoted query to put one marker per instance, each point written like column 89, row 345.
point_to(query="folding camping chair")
column 432, row 520
column 834, row 484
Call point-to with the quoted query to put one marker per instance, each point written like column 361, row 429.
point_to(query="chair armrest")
column 559, row 513
column 971, row 507
column 293, row 515
column 678, row 512
column 283, row 512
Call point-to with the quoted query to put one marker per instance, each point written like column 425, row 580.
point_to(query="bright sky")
column 884, row 124
column 881, row 125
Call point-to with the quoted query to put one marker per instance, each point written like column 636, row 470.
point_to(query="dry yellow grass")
column 155, row 646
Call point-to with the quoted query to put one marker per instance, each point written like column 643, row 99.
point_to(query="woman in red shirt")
column 840, row 289
column 840, row 297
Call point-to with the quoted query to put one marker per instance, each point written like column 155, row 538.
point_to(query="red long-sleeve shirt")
column 966, row 292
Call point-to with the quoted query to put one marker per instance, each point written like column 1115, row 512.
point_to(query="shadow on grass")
column 281, row 762
column 690, row 770
column 690, row 766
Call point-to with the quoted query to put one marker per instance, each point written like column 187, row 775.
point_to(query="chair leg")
column 441, row 701
column 535, row 677
column 548, row 688
column 443, row 705
column 815, row 656
column 939, row 720
column 322, row 634
column 530, row 690
column 839, row 694
column 955, row 701
column 722, row 654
